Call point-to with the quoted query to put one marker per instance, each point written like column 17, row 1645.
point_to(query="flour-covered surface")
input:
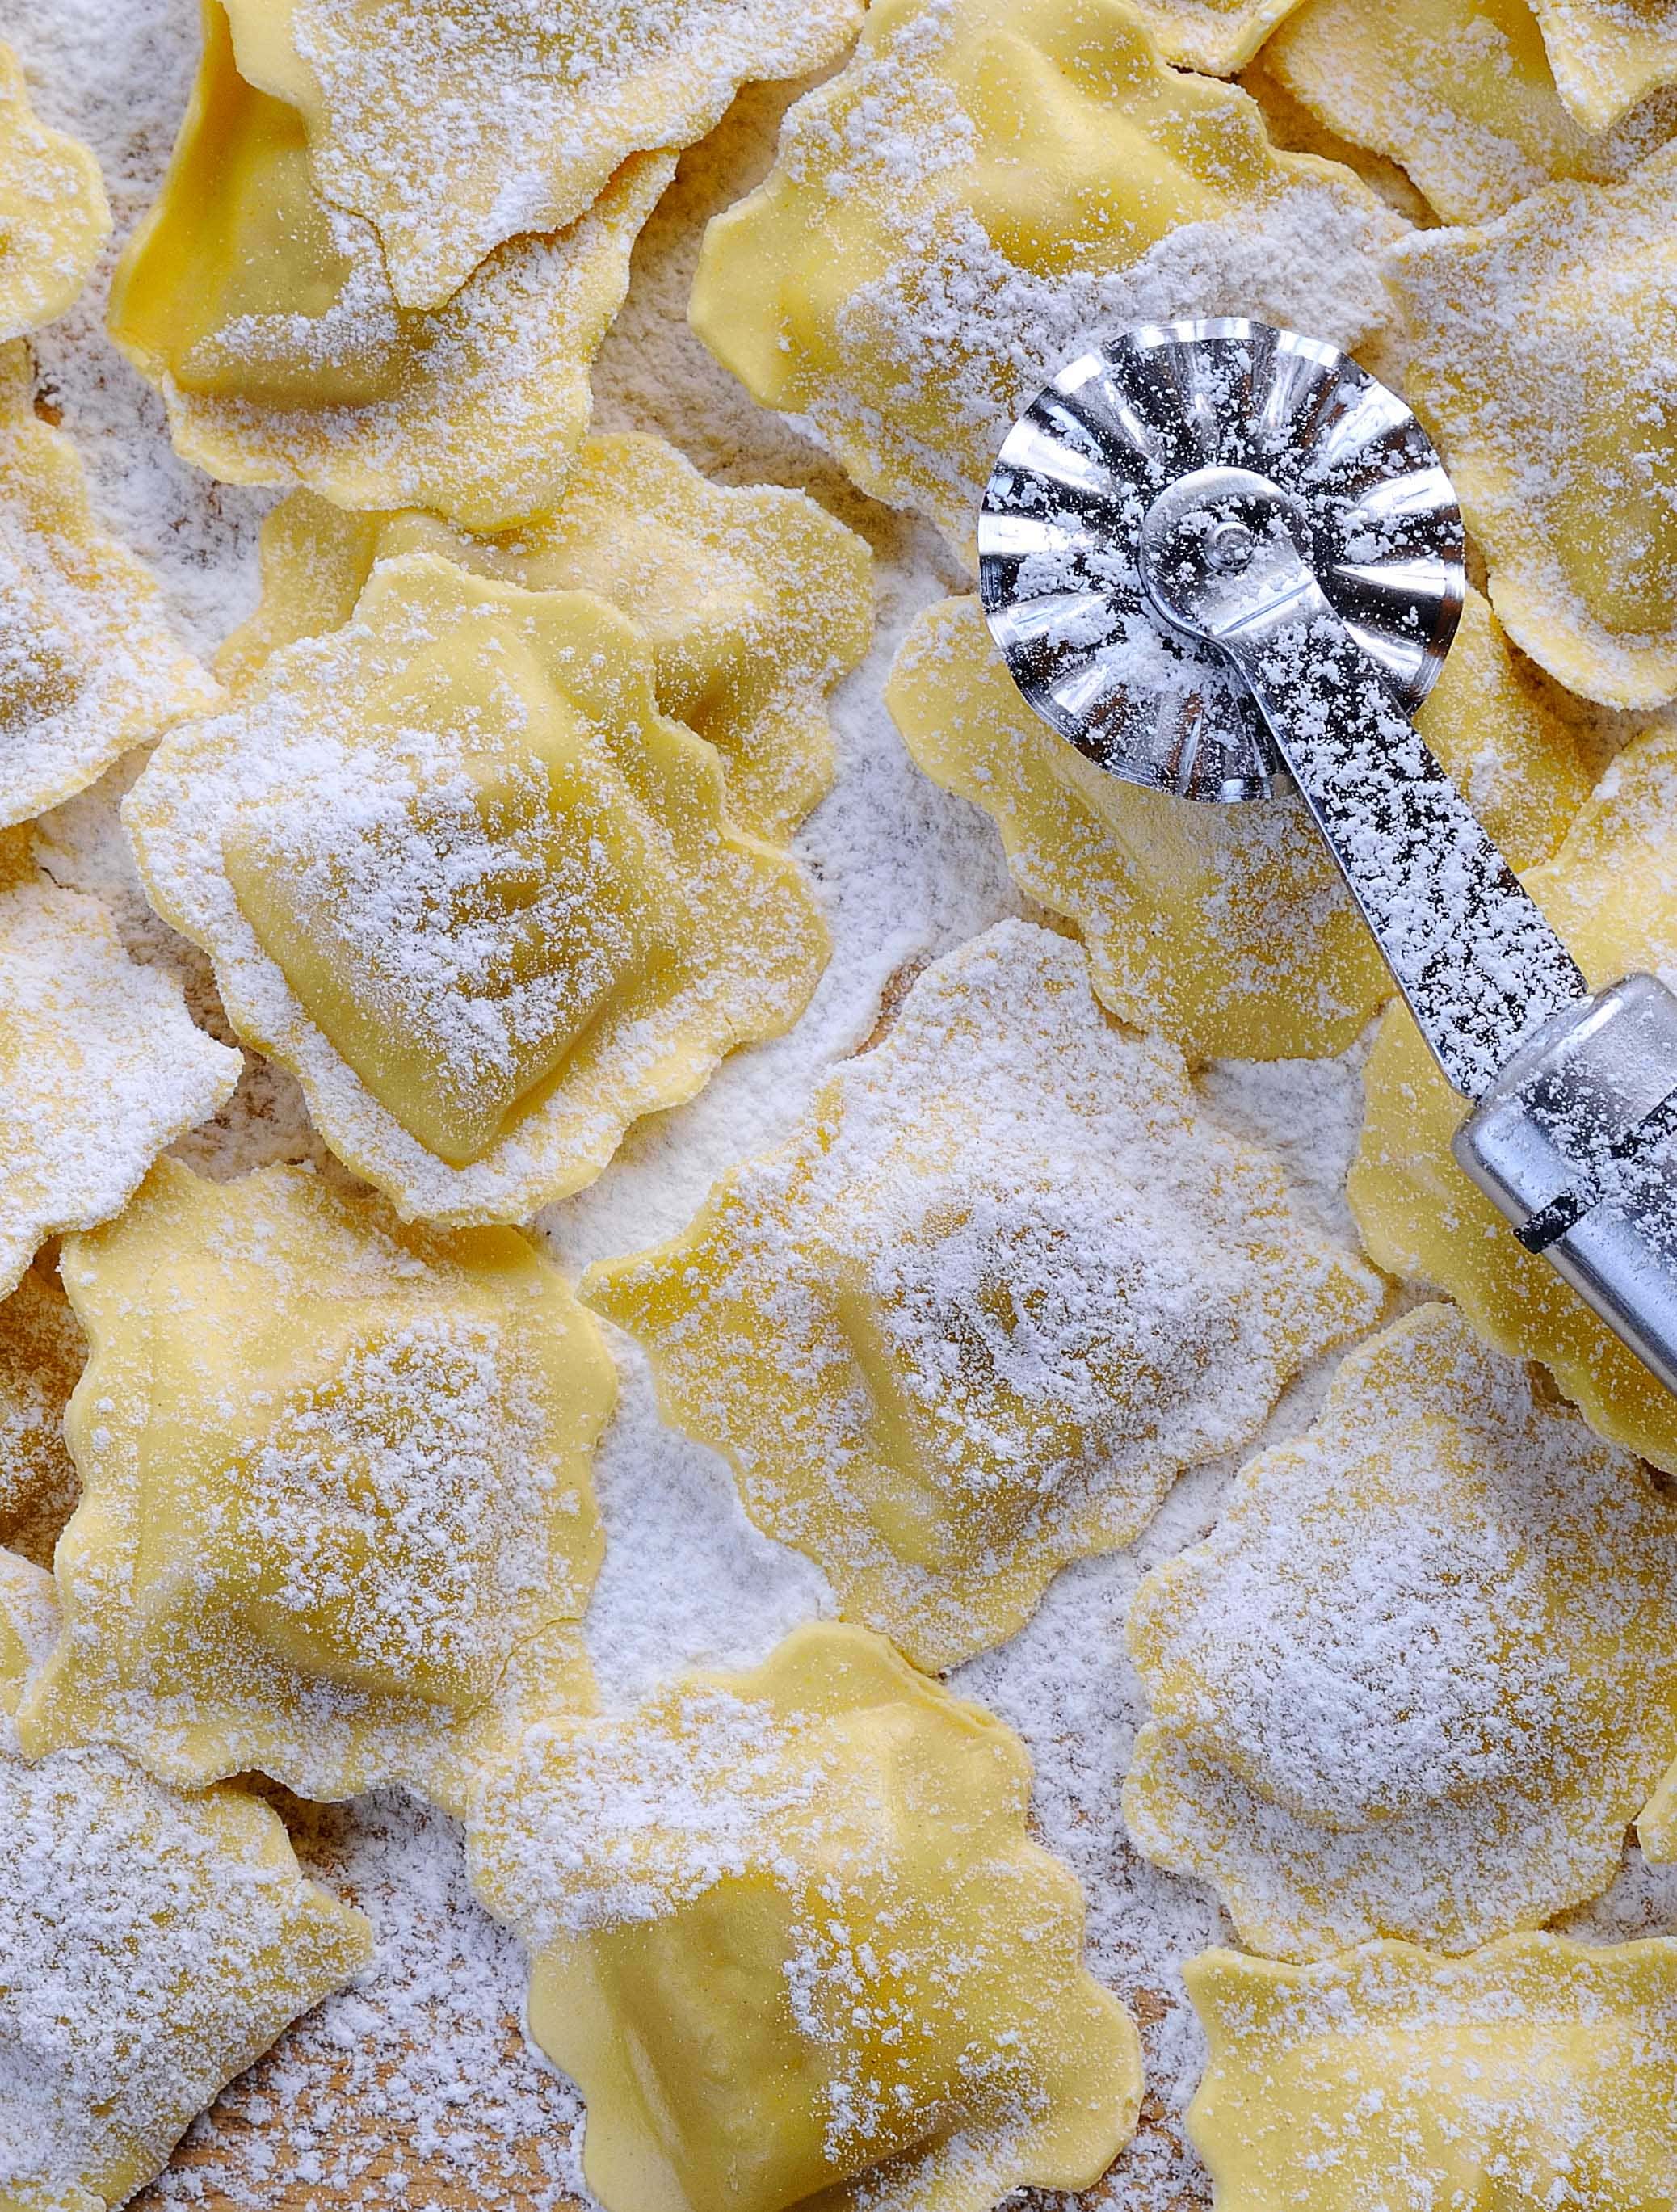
column 153, row 1945
column 415, row 2088
column 42, row 1351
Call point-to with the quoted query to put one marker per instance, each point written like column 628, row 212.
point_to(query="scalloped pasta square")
column 1611, row 893
column 754, row 600
column 264, row 315
column 986, row 182
column 1542, row 367
column 902, row 2023
column 456, row 871
column 337, row 1521
column 1226, row 929
column 42, row 1351
column 1459, row 93
column 154, row 1945
column 977, row 1316
column 1535, row 2072
column 1608, row 54
column 452, row 126
column 1420, row 1676
column 54, row 216
column 89, row 668
column 100, row 1067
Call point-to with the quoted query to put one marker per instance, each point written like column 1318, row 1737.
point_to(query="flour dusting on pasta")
column 415, row 2082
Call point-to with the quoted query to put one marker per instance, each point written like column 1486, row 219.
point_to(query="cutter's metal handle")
column 1477, row 962
column 1576, row 1142
column 1574, row 1134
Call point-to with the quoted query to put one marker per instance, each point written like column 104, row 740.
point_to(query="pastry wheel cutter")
column 1217, row 558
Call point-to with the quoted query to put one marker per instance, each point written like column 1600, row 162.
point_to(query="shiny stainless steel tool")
column 1214, row 553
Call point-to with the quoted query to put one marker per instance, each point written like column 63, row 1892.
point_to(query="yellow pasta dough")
column 28, row 1622
column 87, row 665
column 1657, row 1823
column 794, row 1944
column 1218, row 35
column 976, row 1316
column 453, row 126
column 1459, row 92
column 1535, row 2072
column 42, row 1356
column 755, row 601
column 1421, row 1674
column 987, row 182
column 1293, row 127
column 336, row 1520
column 1608, row 54
column 101, row 1066
column 265, row 316
column 1224, row 928
column 53, row 213
column 154, row 1946
column 1612, row 892
column 1541, row 365
column 456, row 872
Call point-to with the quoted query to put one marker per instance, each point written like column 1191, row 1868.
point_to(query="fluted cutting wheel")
column 1061, row 521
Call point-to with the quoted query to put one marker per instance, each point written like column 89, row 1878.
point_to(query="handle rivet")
column 1230, row 546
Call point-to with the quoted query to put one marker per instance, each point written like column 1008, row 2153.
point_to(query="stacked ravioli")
column 392, row 240
column 482, row 832
column 311, row 1460
column 1407, row 1696
column 482, row 835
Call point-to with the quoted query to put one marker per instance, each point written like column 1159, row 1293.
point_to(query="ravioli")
column 755, row 601
column 1226, row 929
column 1292, row 127
column 456, row 871
column 1536, row 2071
column 1611, row 893
column 903, row 2021
column 337, row 1521
column 1218, row 35
column 42, row 1356
column 54, row 216
column 453, row 126
column 1419, row 1678
column 1459, row 93
column 155, row 1946
column 28, row 1622
column 265, row 316
column 100, row 1065
column 1608, row 54
column 87, row 665
column 985, row 183
column 1005, row 1283
column 1542, row 367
